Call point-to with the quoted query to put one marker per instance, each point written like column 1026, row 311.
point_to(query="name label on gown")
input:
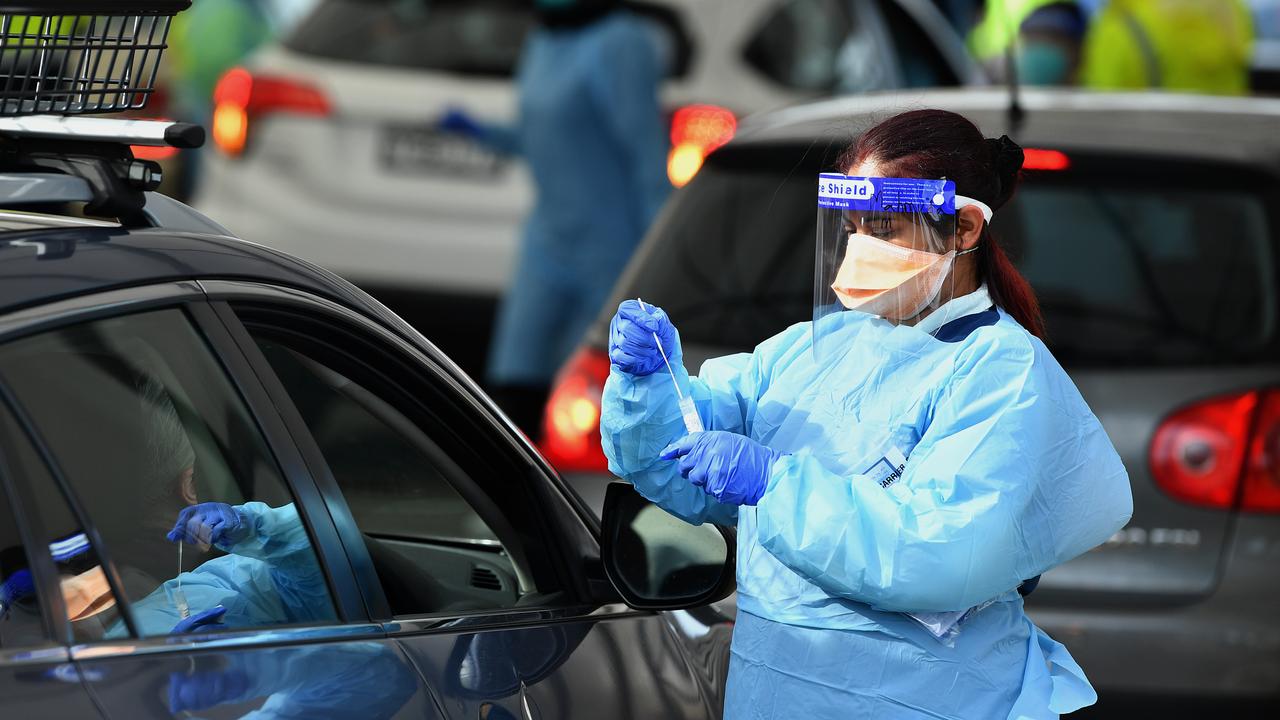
column 887, row 471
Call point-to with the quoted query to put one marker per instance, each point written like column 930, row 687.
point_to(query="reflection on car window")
column 162, row 457
column 432, row 550
column 87, row 597
column 477, row 37
column 21, row 623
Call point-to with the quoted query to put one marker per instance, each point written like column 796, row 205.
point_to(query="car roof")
column 46, row 265
column 1213, row 128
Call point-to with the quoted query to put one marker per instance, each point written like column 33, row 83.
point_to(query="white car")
column 328, row 148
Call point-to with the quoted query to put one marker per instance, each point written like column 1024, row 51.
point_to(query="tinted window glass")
column 21, row 623
column 432, row 549
column 90, row 603
column 806, row 44
column 732, row 261
column 144, row 425
column 1142, row 271
column 1160, row 273
column 480, row 37
column 920, row 61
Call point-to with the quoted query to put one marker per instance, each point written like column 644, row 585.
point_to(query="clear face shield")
column 885, row 247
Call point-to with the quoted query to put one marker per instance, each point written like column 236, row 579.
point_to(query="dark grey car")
column 378, row 542
column 1150, row 227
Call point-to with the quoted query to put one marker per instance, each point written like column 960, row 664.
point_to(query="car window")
column 1166, row 279
column 1168, row 257
column 434, row 550
column 732, row 260
column 919, row 59
column 812, row 45
column 90, row 603
column 21, row 621
column 477, row 37
column 155, row 446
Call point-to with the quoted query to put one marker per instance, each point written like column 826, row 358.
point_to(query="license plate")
column 425, row 150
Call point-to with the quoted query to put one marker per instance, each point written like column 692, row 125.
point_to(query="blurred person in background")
column 1190, row 45
column 206, row 41
column 1044, row 37
column 592, row 133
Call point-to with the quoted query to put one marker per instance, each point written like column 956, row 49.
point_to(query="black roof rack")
column 74, row 57
column 93, row 7
column 62, row 59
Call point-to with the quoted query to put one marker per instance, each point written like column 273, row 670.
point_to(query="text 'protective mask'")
column 886, row 247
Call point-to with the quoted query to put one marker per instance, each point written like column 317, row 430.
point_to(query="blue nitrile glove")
column 212, row 522
column 459, row 121
column 16, row 587
column 203, row 690
column 631, row 345
column 732, row 468
column 202, row 621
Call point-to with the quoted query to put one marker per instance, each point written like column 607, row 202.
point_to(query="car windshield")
column 474, row 37
column 1128, row 270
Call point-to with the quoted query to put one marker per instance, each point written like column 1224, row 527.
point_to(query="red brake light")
column 152, row 152
column 1040, row 159
column 1198, row 454
column 697, row 130
column 571, row 422
column 1262, row 475
column 241, row 96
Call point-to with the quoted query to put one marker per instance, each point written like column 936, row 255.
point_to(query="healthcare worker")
column 1043, row 35
column 1180, row 45
column 897, row 467
column 593, row 135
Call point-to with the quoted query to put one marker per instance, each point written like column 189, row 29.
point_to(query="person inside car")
column 269, row 574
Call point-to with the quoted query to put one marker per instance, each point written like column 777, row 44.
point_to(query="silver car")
column 339, row 127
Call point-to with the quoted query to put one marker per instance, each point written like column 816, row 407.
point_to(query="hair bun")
column 1006, row 160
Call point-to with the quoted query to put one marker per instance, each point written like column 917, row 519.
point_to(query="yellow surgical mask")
column 87, row 594
column 884, row 279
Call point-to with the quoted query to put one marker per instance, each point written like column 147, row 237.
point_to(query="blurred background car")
column 1166, row 206
column 368, row 80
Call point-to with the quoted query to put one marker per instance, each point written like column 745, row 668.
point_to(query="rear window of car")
column 473, row 37
column 1135, row 263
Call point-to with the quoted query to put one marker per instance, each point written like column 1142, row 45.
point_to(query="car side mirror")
column 657, row 561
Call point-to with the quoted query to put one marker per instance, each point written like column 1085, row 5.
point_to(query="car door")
column 473, row 554
column 138, row 407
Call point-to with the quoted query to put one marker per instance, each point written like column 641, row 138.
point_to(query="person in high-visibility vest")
column 1189, row 45
column 1044, row 35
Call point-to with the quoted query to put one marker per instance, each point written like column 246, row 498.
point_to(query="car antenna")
column 1016, row 114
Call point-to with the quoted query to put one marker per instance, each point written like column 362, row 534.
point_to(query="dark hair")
column 942, row 144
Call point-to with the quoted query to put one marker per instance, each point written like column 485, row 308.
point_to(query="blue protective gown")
column 271, row 577
column 1007, row 474
column 592, row 133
